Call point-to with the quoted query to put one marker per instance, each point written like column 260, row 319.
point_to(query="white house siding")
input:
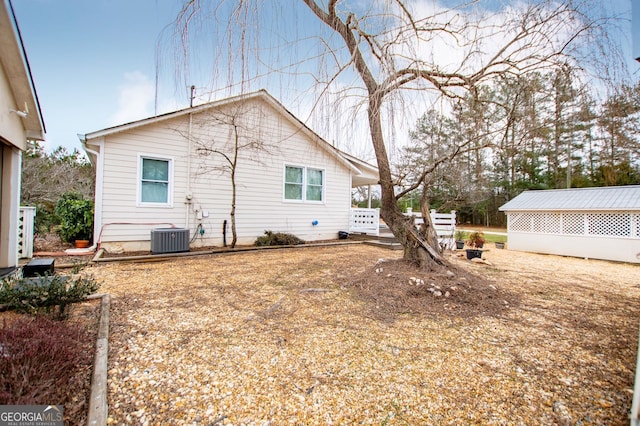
column 13, row 138
column 122, row 219
column 608, row 235
column 260, row 201
column 17, row 94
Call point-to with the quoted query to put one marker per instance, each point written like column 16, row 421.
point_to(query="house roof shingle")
column 600, row 198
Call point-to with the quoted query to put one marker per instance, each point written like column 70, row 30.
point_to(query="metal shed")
column 599, row 223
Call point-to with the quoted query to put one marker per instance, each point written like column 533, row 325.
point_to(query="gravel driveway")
column 289, row 337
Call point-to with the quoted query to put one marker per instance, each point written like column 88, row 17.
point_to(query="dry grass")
column 332, row 336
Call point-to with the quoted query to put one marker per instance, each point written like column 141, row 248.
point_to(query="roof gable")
column 600, row 198
column 261, row 95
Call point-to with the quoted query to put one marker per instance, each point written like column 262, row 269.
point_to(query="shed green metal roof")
column 600, row 198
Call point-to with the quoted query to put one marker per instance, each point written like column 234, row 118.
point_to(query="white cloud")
column 136, row 98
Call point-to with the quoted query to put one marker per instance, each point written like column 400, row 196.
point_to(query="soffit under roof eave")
column 35, row 135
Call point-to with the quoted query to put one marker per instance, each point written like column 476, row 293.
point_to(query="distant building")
column 598, row 223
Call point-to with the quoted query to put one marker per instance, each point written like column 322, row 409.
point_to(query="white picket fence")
column 366, row 221
column 444, row 225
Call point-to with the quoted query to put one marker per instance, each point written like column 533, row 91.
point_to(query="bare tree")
column 46, row 176
column 224, row 139
column 391, row 47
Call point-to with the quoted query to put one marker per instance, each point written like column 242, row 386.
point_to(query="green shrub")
column 45, row 293
column 76, row 217
column 46, row 218
column 271, row 238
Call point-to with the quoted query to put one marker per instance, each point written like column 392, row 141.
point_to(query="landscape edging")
column 97, row 415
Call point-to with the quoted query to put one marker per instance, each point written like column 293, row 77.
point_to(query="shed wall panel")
column 609, row 235
column 616, row 249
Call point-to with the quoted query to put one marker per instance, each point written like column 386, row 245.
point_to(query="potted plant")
column 476, row 239
column 459, row 237
column 476, row 242
column 76, row 217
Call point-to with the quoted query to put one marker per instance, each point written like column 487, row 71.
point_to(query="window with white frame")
column 303, row 184
column 155, row 180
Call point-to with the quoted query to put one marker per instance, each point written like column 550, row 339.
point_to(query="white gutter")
column 97, row 196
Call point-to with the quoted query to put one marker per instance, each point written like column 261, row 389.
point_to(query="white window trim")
column 304, row 184
column 139, row 202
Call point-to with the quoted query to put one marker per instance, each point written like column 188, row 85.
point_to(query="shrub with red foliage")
column 40, row 359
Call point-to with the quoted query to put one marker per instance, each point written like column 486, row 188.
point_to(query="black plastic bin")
column 39, row 266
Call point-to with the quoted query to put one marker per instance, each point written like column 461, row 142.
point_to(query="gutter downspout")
column 188, row 195
column 98, row 166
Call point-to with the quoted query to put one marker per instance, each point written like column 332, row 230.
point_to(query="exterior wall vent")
column 169, row 240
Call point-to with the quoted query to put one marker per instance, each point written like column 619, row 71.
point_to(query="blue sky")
column 94, row 61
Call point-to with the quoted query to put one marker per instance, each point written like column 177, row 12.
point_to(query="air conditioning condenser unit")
column 169, row 240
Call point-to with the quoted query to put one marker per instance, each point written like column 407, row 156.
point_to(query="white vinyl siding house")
column 170, row 171
column 598, row 223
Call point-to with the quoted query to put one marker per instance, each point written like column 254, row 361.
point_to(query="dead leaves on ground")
column 242, row 340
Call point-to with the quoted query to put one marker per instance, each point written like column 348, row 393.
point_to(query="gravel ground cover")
column 335, row 335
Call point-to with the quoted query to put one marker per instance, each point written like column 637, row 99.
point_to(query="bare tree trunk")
column 416, row 248
column 427, row 229
column 244, row 142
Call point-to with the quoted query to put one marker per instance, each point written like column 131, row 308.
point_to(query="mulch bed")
column 354, row 334
column 335, row 335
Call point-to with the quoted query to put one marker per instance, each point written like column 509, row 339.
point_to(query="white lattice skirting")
column 607, row 235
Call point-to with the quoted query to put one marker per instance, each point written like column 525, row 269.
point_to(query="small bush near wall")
column 51, row 294
column 40, row 359
column 277, row 239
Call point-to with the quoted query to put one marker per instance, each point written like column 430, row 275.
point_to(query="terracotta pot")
column 82, row 243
